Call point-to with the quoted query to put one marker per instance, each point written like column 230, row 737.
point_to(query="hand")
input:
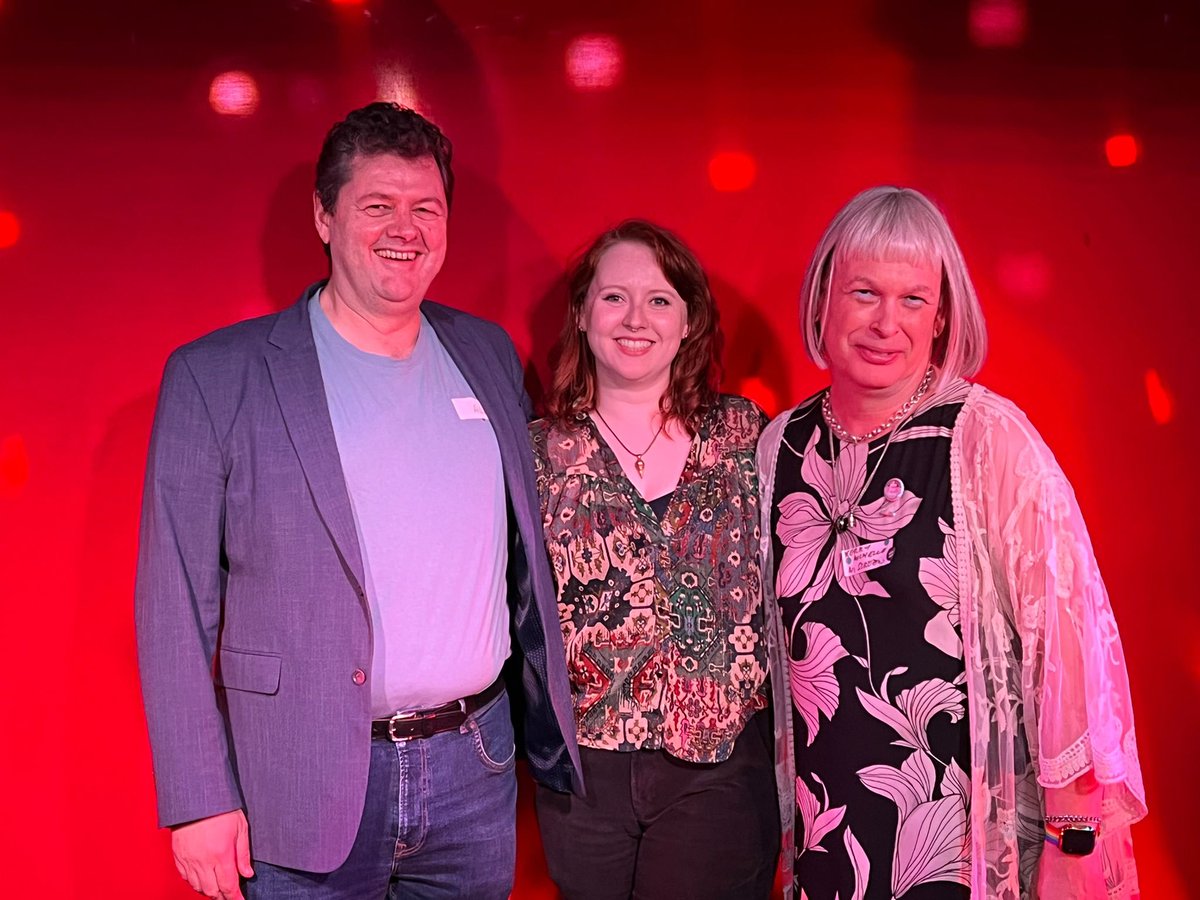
column 1060, row 874
column 212, row 853
column 1070, row 877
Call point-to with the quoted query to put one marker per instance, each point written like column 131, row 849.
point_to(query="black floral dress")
column 866, row 577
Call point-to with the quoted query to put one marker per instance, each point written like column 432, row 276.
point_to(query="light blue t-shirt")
column 427, row 489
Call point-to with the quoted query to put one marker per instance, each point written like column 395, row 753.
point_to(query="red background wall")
column 134, row 217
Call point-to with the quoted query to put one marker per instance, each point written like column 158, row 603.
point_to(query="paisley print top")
column 662, row 620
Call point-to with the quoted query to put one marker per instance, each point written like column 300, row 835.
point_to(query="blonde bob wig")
column 900, row 225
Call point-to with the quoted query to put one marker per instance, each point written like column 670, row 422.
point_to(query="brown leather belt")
column 423, row 723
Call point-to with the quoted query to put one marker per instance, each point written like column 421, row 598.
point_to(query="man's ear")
column 321, row 218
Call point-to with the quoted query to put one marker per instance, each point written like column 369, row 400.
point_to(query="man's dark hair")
column 374, row 130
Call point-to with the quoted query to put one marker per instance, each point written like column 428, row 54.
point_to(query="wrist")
column 1073, row 835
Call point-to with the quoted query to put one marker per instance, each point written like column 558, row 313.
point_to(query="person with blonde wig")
column 959, row 723
column 650, row 513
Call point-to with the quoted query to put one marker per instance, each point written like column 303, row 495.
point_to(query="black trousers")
column 653, row 827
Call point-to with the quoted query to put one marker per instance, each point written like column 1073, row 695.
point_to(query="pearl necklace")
column 894, row 419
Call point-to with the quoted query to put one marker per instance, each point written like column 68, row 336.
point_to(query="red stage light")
column 1162, row 404
column 10, row 228
column 14, row 462
column 347, row 2
column 594, row 62
column 1122, row 150
column 997, row 23
column 233, row 94
column 732, row 170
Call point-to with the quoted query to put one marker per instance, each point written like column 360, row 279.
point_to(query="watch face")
column 1077, row 840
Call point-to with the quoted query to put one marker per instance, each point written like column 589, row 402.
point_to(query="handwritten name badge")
column 866, row 557
column 468, row 408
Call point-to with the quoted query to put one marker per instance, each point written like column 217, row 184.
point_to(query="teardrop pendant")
column 640, row 465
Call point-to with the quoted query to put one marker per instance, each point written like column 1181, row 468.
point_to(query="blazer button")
column 359, row 676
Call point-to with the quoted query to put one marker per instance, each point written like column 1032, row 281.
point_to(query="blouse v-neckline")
column 616, row 472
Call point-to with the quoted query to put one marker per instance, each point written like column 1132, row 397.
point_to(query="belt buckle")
column 418, row 715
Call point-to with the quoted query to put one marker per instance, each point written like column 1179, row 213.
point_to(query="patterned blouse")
column 663, row 621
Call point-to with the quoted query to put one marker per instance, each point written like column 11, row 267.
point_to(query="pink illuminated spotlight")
column 1122, row 150
column 233, row 94
column 997, row 23
column 594, row 62
column 732, row 170
column 1162, row 404
column 10, row 228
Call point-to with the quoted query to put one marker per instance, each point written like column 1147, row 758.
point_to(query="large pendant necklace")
column 847, row 520
column 638, row 462
column 894, row 419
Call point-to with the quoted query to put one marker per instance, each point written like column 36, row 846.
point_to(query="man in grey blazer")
column 340, row 532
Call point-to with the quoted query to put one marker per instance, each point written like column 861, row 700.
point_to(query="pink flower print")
column 908, row 786
column 814, row 687
column 932, row 843
column 860, row 862
column 818, row 820
column 939, row 577
column 909, row 716
column 956, row 781
column 806, row 525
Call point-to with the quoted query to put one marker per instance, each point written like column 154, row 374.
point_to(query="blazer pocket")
column 244, row 670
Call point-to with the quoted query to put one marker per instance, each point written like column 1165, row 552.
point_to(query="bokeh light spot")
column 997, row 23
column 1122, row 150
column 594, row 62
column 732, row 170
column 14, row 462
column 233, row 94
column 1162, row 404
column 10, row 228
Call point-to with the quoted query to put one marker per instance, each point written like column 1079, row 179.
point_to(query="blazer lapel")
column 300, row 391
column 479, row 366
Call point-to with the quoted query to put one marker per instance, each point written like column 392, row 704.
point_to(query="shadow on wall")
column 546, row 316
column 292, row 254
column 754, row 362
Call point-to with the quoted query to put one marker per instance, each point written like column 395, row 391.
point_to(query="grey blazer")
column 250, row 608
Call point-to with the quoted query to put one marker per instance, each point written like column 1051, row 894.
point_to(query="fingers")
column 244, row 866
column 213, row 854
column 191, row 873
column 203, row 880
column 227, row 883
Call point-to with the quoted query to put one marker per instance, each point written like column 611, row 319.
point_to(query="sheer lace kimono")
column 1048, row 695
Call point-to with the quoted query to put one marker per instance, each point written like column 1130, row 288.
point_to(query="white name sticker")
column 468, row 408
column 866, row 557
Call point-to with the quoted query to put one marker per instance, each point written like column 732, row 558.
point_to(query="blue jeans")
column 439, row 822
